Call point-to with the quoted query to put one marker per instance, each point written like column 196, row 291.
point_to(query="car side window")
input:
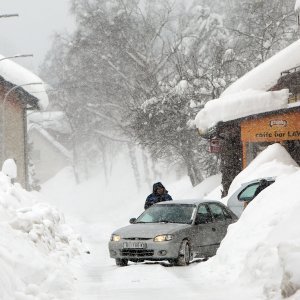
column 227, row 214
column 249, row 192
column 203, row 215
column 217, row 212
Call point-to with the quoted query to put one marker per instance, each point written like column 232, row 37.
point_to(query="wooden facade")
column 281, row 127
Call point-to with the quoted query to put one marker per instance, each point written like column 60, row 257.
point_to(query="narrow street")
column 99, row 278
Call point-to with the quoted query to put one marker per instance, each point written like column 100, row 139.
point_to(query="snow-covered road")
column 257, row 260
column 95, row 212
column 99, row 278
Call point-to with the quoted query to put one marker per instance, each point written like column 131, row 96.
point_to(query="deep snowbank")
column 36, row 247
column 262, row 250
column 274, row 161
column 258, row 259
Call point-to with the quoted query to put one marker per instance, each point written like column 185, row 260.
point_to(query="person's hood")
column 158, row 184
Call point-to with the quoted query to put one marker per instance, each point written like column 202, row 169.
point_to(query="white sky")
column 32, row 31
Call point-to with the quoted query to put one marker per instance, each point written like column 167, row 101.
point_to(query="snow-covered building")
column 260, row 108
column 48, row 134
column 20, row 91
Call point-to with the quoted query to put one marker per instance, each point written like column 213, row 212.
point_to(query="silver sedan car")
column 175, row 231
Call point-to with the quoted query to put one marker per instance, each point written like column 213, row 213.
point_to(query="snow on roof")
column 55, row 120
column 264, row 76
column 240, row 105
column 18, row 75
column 52, row 140
column 247, row 95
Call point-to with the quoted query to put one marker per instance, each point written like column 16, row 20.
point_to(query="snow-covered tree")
column 126, row 53
column 261, row 28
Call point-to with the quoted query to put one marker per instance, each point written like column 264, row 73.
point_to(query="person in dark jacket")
column 159, row 194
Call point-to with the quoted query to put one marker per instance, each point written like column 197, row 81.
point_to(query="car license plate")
column 134, row 245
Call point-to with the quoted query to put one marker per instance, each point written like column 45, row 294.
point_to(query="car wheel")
column 184, row 254
column 122, row 262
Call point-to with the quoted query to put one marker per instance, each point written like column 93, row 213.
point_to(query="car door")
column 229, row 218
column 220, row 222
column 251, row 191
column 204, row 232
column 248, row 193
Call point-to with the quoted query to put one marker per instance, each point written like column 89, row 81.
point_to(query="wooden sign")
column 273, row 128
column 214, row 145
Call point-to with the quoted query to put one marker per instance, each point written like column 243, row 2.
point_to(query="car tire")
column 121, row 262
column 184, row 254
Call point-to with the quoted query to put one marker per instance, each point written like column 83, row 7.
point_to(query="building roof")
column 16, row 75
column 54, row 120
column 51, row 140
column 265, row 75
column 249, row 95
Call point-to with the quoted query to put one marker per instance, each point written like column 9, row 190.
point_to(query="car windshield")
column 168, row 213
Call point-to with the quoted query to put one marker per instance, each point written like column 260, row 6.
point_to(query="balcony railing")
column 294, row 98
column 291, row 79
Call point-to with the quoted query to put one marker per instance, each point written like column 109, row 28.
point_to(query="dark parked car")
column 246, row 192
column 176, row 231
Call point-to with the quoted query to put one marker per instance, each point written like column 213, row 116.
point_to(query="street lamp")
column 9, row 15
column 3, row 111
column 16, row 56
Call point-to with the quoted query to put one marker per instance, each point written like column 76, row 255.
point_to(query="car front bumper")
column 151, row 250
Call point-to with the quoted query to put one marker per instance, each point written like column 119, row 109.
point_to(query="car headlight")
column 115, row 238
column 163, row 238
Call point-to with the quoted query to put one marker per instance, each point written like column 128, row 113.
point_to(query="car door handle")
column 213, row 229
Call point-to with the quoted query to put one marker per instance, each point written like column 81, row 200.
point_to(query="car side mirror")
column 132, row 220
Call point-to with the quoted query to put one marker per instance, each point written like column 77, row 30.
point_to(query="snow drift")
column 36, row 247
column 261, row 251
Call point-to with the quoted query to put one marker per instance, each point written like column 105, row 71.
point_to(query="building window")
column 254, row 148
